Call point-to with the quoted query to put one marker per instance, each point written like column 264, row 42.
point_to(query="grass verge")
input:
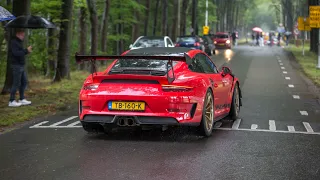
column 308, row 62
column 47, row 99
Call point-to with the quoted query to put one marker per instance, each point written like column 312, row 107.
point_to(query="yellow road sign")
column 314, row 12
column 206, row 30
column 304, row 24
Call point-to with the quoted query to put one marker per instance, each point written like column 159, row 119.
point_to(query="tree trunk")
column 18, row 8
column 183, row 24
column 52, row 55
column 175, row 20
column 155, row 18
column 136, row 26
column 63, row 65
column 164, row 17
column 146, row 24
column 194, row 16
column 83, row 34
column 105, row 26
column 94, row 25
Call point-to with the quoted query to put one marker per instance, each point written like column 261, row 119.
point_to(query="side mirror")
column 225, row 71
column 130, row 46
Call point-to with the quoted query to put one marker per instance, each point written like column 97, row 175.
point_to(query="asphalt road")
column 277, row 137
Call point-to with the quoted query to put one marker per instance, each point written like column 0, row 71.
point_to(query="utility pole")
column 179, row 17
column 206, row 13
column 194, row 10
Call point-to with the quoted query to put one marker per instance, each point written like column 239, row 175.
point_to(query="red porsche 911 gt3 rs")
column 158, row 86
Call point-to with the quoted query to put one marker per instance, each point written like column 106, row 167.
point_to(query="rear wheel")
column 235, row 104
column 206, row 124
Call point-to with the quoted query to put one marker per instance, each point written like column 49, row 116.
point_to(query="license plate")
column 221, row 44
column 126, row 106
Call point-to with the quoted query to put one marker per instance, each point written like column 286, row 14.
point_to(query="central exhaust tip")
column 130, row 122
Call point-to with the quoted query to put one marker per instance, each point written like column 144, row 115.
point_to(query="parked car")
column 192, row 42
column 158, row 87
column 222, row 40
column 152, row 41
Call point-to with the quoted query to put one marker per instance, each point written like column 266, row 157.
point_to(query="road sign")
column 304, row 24
column 206, row 30
column 314, row 16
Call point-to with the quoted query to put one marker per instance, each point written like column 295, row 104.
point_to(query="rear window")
column 142, row 64
column 221, row 36
column 144, row 42
column 186, row 39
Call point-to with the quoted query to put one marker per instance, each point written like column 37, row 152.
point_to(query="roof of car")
column 158, row 50
column 153, row 37
column 222, row 33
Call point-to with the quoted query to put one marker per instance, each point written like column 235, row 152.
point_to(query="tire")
column 206, row 126
column 235, row 104
column 214, row 51
column 210, row 53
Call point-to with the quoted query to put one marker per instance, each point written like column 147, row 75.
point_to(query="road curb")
column 312, row 87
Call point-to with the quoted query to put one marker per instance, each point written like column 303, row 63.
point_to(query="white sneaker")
column 24, row 102
column 14, row 104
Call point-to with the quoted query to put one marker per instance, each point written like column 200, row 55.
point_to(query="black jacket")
column 18, row 52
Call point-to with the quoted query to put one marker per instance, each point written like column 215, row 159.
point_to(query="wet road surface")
column 277, row 137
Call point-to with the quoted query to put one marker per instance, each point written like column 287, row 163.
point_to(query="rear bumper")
column 222, row 46
column 140, row 120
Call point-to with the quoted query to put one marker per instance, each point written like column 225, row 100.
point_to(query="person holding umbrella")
column 18, row 54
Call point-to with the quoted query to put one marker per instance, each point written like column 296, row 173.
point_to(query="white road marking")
column 266, row 130
column 39, row 124
column 291, row 129
column 217, row 124
column 291, row 85
column 63, row 121
column 296, row 97
column 236, row 124
column 284, row 72
column 281, row 64
column 254, row 126
column 304, row 113
column 308, row 127
column 272, row 125
column 57, row 127
column 287, row 78
column 279, row 61
column 283, row 68
column 74, row 124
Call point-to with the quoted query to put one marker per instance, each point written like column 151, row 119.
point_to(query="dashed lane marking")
column 296, row 97
column 287, row 78
column 291, row 85
column 272, row 125
column 284, row 72
column 74, row 124
column 217, row 124
column 236, row 124
column 291, row 129
column 283, row 68
column 266, row 130
column 254, row 126
column 281, row 64
column 304, row 113
column 308, row 127
column 63, row 121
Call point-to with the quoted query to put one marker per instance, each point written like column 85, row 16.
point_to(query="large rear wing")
column 170, row 58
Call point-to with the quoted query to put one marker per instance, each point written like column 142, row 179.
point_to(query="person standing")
column 18, row 54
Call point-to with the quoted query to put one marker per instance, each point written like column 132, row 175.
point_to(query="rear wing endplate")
column 170, row 58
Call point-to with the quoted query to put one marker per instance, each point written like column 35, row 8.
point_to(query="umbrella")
column 257, row 29
column 31, row 22
column 5, row 15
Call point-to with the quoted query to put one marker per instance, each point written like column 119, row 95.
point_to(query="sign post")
column 315, row 23
column 303, row 25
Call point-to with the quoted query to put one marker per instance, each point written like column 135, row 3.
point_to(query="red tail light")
column 196, row 44
column 177, row 45
column 173, row 88
column 93, row 86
